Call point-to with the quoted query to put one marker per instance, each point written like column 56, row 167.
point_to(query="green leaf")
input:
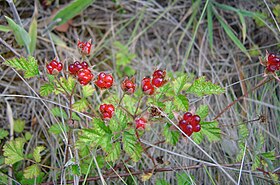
column 27, row 136
column 71, row 10
column 36, row 153
column 184, row 179
column 32, row 171
column 209, row 130
column 161, row 182
column 210, row 25
column 76, row 169
column 58, row 128
column 124, row 56
column 29, row 65
column 19, row 125
column 202, row 111
column 13, row 151
column 231, row 35
column 106, row 143
column 66, row 85
column 243, row 131
column 180, row 83
column 269, row 155
column 87, row 91
column 115, row 153
column 33, row 34
column 21, row 35
column 75, row 117
column 201, row 87
column 244, row 27
column 3, row 133
column 5, row 28
column 181, row 102
column 172, row 136
column 119, row 121
column 46, row 89
column 59, row 112
column 131, row 146
column 100, row 125
column 80, row 105
column 256, row 162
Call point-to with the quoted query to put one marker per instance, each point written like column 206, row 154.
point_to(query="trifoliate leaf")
column 80, row 105
column 115, row 153
column 118, row 121
column 209, row 130
column 46, row 89
column 31, row 171
column 201, row 87
column 3, row 133
column 131, row 146
column 59, row 112
column 106, row 142
column 87, row 91
column 29, row 65
column 36, row 153
column 202, row 111
column 19, row 125
column 172, row 136
column 65, row 85
column 13, row 151
column 180, row 83
column 181, row 102
column 58, row 128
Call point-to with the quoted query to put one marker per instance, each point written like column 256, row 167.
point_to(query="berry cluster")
column 158, row 80
column 104, row 80
column 140, row 123
column 107, row 110
column 128, row 85
column 273, row 63
column 84, row 47
column 54, row 67
column 190, row 123
column 80, row 69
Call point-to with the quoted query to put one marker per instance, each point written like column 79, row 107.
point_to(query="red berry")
column 107, row 110
column 84, row 47
column 84, row 65
column 84, row 76
column 187, row 116
column 54, row 67
column 195, row 120
column 159, row 74
column 128, row 86
column 272, row 68
column 158, row 82
column 188, row 130
column 140, row 123
column 147, row 86
column 104, row 80
column 271, row 56
column 197, row 128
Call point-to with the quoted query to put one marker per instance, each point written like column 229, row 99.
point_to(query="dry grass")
column 156, row 32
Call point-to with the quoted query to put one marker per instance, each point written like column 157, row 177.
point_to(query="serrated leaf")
column 31, row 171
column 80, row 105
column 243, row 131
column 241, row 146
column 181, row 102
column 71, row 10
column 36, row 153
column 180, row 83
column 66, row 85
column 46, row 89
column 124, row 56
column 146, row 176
column 13, row 151
column 161, row 182
column 119, row 121
column 256, row 162
column 29, row 65
column 184, row 179
column 76, row 169
column 106, row 142
column 21, row 35
column 269, row 155
column 58, row 128
column 56, row 111
column 75, row 117
column 209, row 130
column 172, row 136
column 19, row 125
column 3, row 133
column 202, row 111
column 131, row 146
column 87, row 91
column 27, row 136
column 115, row 153
column 201, row 87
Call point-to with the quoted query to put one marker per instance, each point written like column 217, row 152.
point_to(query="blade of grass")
column 21, row 35
column 231, row 35
column 209, row 175
column 33, row 32
column 210, row 25
column 4, row 28
column 244, row 28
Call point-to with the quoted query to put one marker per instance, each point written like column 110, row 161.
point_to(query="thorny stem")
column 261, row 83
